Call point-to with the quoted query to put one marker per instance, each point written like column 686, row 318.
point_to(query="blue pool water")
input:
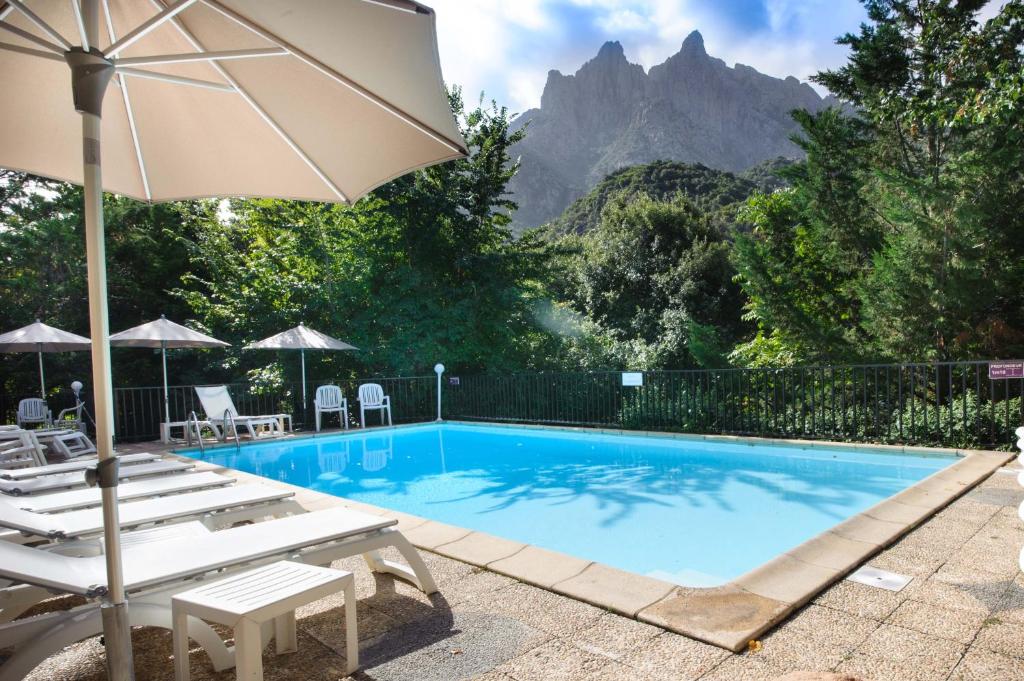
column 692, row 512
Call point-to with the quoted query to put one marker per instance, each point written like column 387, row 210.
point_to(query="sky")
column 506, row 47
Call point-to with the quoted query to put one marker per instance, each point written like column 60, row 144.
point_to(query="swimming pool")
column 688, row 511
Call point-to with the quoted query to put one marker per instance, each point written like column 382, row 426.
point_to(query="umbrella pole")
column 167, row 398
column 90, row 75
column 42, row 379
column 302, row 354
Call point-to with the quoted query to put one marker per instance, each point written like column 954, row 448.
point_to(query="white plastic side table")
column 245, row 601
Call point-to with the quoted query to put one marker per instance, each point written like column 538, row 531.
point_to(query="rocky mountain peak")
column 611, row 114
column 693, row 46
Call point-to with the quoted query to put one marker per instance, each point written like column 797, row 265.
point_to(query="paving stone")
column 931, row 657
column 675, row 658
column 726, row 616
column 984, row 665
column 981, row 595
column 956, row 625
column 623, row 592
column 862, row 600
column 802, row 649
column 1002, row 637
column 1011, row 606
column 558, row 660
column 478, row 584
column 432, row 534
column 480, row 548
column 614, row 636
column 541, row 609
column 839, row 628
column 745, row 667
column 535, row 565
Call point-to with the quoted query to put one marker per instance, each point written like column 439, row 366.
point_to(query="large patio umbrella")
column 308, row 99
column 300, row 338
column 38, row 337
column 163, row 333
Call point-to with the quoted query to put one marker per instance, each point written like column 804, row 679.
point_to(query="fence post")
column 438, row 369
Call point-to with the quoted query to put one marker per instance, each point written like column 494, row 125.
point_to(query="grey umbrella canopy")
column 163, row 333
column 300, row 338
column 38, row 337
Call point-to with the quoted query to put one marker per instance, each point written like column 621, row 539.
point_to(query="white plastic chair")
column 33, row 410
column 329, row 400
column 221, row 413
column 372, row 397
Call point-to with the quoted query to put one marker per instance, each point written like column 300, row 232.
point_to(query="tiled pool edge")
column 728, row 616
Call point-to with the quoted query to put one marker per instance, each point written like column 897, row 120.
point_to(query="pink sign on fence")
column 1005, row 370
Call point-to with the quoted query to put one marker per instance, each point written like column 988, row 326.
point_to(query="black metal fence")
column 951, row 404
column 138, row 412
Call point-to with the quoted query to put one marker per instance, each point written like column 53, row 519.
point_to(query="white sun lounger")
column 69, row 500
column 154, row 571
column 69, row 467
column 223, row 416
column 218, row 508
column 48, row 483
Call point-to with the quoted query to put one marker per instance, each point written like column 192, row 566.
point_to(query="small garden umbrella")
column 40, row 338
column 300, row 338
column 164, row 334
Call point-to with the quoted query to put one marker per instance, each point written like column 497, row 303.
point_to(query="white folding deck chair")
column 33, row 410
column 372, row 397
column 329, row 400
column 223, row 416
column 71, row 467
column 154, row 571
column 66, row 444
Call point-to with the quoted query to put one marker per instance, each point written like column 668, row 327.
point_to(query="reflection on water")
column 690, row 511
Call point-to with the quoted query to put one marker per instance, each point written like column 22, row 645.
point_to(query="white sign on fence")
column 632, row 378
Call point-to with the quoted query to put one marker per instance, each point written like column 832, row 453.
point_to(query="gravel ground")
column 960, row 619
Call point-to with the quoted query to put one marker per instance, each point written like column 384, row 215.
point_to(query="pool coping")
column 728, row 616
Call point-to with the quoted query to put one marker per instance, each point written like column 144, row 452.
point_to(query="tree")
column 423, row 269
column 655, row 277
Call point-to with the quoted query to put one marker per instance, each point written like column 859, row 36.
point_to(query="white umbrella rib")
column 196, row 45
column 39, row 23
column 31, row 37
column 128, row 110
column 338, row 77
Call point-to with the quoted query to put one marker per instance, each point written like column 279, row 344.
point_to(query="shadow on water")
column 498, row 471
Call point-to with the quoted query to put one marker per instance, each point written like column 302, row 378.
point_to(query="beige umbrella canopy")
column 300, row 338
column 38, row 337
column 163, row 333
column 309, row 99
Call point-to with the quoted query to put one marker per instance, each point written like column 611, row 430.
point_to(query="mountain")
column 611, row 114
column 712, row 191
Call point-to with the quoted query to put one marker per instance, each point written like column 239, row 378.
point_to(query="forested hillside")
column 711, row 191
column 898, row 238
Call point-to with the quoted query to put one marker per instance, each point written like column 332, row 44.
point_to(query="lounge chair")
column 372, row 397
column 18, row 449
column 222, row 414
column 70, row 467
column 67, row 444
column 71, row 500
column 329, row 400
column 49, row 483
column 33, row 410
column 217, row 507
column 154, row 571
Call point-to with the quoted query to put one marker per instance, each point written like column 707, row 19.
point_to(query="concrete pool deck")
column 962, row 616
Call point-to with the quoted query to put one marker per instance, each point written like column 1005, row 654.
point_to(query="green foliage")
column 900, row 237
column 654, row 279
column 422, row 270
column 715, row 192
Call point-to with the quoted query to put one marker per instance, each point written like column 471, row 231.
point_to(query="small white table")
column 245, row 601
